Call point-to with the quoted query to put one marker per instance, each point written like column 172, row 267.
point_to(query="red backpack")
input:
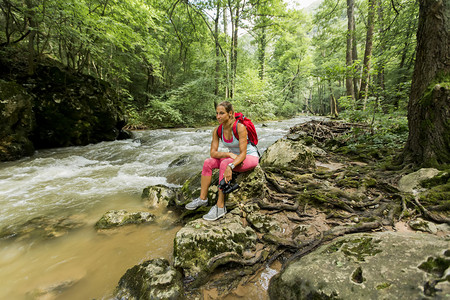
column 251, row 131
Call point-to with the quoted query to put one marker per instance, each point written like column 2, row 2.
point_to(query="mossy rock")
column 199, row 241
column 159, row 195
column 117, row 218
column 154, row 279
column 385, row 265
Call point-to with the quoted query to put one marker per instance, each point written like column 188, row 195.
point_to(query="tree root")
column 329, row 235
column 430, row 215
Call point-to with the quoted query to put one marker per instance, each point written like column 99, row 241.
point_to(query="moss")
column 361, row 248
column 436, row 266
column 348, row 182
column 383, row 285
column 440, row 179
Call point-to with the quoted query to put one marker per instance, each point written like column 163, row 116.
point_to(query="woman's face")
column 221, row 114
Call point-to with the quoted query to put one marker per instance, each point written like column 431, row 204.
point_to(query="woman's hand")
column 227, row 174
column 232, row 155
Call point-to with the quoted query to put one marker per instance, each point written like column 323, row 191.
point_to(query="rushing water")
column 83, row 183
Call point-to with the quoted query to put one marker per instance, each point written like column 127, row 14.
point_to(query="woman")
column 242, row 156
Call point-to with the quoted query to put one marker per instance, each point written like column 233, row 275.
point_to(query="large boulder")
column 387, row 265
column 73, row 110
column 199, row 241
column 286, row 153
column 251, row 186
column 159, row 195
column 410, row 182
column 116, row 218
column 16, row 121
column 153, row 279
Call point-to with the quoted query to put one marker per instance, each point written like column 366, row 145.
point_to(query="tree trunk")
column 31, row 39
column 349, row 56
column 262, row 51
column 368, row 51
column 227, row 57
column 428, row 142
column 333, row 103
column 216, row 39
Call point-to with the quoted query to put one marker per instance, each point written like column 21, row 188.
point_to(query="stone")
column 385, row 265
column 410, row 182
column 199, row 241
column 252, row 185
column 158, row 195
column 285, row 153
column 180, row 161
column 17, row 121
column 153, row 279
column 116, row 218
column 423, row 225
column 45, row 227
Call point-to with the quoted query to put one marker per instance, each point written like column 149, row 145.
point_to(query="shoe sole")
column 188, row 208
column 215, row 218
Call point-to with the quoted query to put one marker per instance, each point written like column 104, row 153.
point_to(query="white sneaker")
column 215, row 212
column 196, row 203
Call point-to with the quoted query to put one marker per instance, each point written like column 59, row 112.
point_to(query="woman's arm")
column 242, row 132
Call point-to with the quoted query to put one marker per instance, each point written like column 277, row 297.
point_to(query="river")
column 82, row 183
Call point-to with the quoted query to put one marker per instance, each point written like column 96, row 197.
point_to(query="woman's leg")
column 208, row 166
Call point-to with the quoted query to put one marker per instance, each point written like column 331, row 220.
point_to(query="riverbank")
column 292, row 206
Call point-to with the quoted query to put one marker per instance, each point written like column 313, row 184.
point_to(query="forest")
column 273, row 60
column 351, row 59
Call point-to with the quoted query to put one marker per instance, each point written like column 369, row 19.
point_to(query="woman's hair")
column 227, row 105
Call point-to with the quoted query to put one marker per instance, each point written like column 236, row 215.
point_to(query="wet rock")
column 385, row 265
column 199, row 241
column 180, row 161
column 17, row 121
column 422, row 225
column 157, row 195
column 412, row 181
column 285, row 153
column 116, row 218
column 42, row 227
column 51, row 291
column 153, row 279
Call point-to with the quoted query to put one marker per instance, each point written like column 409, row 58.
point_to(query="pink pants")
column 250, row 162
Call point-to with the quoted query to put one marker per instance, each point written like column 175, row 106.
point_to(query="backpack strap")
column 235, row 129
column 219, row 130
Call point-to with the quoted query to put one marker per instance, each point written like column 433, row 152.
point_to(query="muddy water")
column 83, row 183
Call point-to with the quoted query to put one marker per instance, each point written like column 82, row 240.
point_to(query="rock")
column 422, row 225
column 412, row 181
column 285, row 153
column 180, row 161
column 153, row 279
column 252, row 186
column 386, row 265
column 72, row 110
column 199, row 241
column 263, row 223
column 159, row 195
column 191, row 189
column 116, row 218
column 17, row 121
column 51, row 291
column 42, row 227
